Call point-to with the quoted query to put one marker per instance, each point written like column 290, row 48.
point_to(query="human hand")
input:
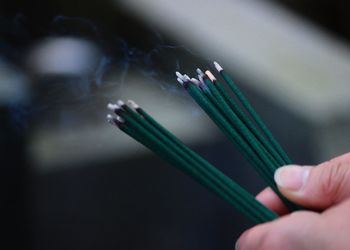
column 324, row 188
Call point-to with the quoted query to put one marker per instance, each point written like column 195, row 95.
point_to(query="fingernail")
column 291, row 177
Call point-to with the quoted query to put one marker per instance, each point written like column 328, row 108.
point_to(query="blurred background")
column 69, row 180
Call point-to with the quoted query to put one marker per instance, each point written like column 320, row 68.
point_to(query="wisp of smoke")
column 117, row 55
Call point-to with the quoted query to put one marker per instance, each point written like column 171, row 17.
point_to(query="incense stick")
column 235, row 117
column 245, row 119
column 252, row 112
column 213, row 103
column 162, row 142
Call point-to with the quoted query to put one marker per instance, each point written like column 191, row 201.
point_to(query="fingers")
column 337, row 219
column 316, row 187
column 272, row 201
column 300, row 230
column 324, row 186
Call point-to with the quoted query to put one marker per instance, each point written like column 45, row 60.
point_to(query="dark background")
column 138, row 203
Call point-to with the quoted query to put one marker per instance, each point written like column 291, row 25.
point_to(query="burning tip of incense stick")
column 186, row 78
column 119, row 119
column 112, row 106
column 109, row 118
column 120, row 103
column 218, row 66
column 183, row 77
column 180, row 81
column 133, row 104
column 201, row 79
column 178, row 74
column 199, row 72
column 210, row 75
column 195, row 81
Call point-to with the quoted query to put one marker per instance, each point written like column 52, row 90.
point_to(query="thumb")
column 316, row 187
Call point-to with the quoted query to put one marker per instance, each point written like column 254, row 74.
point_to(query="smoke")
column 57, row 94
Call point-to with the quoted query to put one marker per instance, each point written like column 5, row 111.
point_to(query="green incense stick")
column 252, row 112
column 248, row 123
column 264, row 171
column 192, row 158
column 231, row 134
column 235, row 196
column 241, row 128
column 251, row 136
column 168, row 134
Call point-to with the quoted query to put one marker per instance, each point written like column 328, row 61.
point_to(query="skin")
column 325, row 192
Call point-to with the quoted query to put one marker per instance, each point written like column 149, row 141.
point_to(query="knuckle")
column 267, row 240
column 333, row 178
column 252, row 239
column 275, row 240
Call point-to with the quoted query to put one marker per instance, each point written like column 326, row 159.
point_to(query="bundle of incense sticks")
column 235, row 117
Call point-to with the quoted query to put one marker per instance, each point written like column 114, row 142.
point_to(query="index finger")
column 272, row 201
